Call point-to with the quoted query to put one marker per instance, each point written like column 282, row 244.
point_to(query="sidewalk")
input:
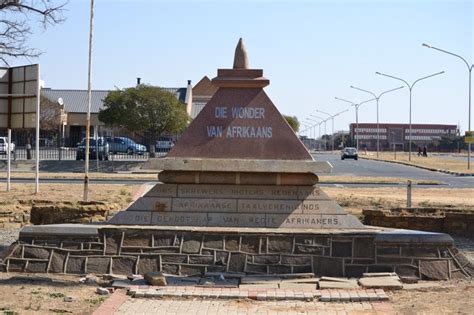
column 201, row 300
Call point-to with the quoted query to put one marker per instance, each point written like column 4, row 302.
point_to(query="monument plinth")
column 238, row 193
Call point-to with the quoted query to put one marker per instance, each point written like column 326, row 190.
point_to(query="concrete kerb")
column 421, row 167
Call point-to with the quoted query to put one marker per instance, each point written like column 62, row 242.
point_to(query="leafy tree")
column 293, row 122
column 144, row 108
column 15, row 29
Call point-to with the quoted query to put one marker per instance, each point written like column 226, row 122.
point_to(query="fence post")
column 409, row 194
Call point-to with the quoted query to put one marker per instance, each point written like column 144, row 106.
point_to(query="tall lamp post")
column 377, row 98
column 312, row 123
column 325, row 132
column 356, row 106
column 332, row 121
column 469, row 68
column 410, row 87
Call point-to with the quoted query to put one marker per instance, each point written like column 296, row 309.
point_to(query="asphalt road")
column 341, row 168
column 364, row 167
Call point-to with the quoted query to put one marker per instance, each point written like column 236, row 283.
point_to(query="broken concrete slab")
column 335, row 279
column 379, row 274
column 386, row 283
column 352, row 284
column 259, row 286
column 297, row 286
column 258, row 280
column 304, row 280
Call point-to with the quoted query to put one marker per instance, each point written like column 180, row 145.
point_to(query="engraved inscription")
column 131, row 218
column 250, row 191
column 204, row 205
column 238, row 113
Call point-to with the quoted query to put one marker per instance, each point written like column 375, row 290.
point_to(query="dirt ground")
column 446, row 297
column 21, row 196
column 433, row 160
column 44, row 294
column 355, row 199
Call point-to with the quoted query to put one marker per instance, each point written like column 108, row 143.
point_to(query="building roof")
column 204, row 88
column 75, row 101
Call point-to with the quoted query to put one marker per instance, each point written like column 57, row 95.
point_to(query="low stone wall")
column 137, row 251
column 48, row 212
column 450, row 221
column 13, row 219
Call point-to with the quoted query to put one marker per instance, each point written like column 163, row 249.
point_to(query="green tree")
column 293, row 122
column 144, row 109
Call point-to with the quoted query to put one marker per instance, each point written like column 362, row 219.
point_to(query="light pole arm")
column 398, row 88
column 320, row 111
column 318, row 117
column 341, row 99
column 449, row 53
column 429, row 76
column 358, row 105
column 396, row 78
column 356, row 88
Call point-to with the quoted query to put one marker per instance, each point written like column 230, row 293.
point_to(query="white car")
column 4, row 146
column 164, row 144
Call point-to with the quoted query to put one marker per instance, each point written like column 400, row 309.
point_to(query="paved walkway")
column 237, row 307
column 120, row 303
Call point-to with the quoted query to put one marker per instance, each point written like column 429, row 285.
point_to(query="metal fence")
column 54, row 146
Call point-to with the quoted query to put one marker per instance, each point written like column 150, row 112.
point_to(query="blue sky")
column 311, row 51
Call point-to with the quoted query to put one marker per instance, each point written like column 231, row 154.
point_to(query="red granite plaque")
column 240, row 122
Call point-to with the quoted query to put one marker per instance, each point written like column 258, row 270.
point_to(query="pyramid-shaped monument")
column 238, row 164
column 240, row 121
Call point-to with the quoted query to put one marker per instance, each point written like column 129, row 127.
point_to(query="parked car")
column 98, row 149
column 4, row 146
column 125, row 145
column 164, row 144
column 349, row 153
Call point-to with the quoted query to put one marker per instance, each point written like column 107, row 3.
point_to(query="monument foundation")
column 238, row 193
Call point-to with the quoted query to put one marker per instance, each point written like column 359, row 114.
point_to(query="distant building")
column 397, row 135
column 75, row 106
column 202, row 92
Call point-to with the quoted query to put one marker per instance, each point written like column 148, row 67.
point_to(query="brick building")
column 397, row 135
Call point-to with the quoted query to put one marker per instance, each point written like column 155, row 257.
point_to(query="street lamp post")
column 469, row 68
column 325, row 132
column 356, row 106
column 410, row 87
column 377, row 98
column 313, row 125
column 332, row 120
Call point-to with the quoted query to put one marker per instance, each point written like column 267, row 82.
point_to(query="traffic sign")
column 469, row 137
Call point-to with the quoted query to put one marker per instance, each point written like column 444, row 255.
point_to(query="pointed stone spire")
column 240, row 58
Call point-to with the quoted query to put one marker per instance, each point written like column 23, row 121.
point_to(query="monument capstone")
column 238, row 193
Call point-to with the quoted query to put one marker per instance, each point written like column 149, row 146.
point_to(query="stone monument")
column 239, row 164
column 238, row 193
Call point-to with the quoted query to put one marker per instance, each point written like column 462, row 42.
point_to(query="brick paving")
column 237, row 307
column 263, row 294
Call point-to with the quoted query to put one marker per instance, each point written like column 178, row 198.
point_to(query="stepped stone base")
column 257, row 206
column 79, row 249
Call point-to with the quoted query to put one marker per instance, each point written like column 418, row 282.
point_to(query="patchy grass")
column 432, row 161
column 355, row 199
